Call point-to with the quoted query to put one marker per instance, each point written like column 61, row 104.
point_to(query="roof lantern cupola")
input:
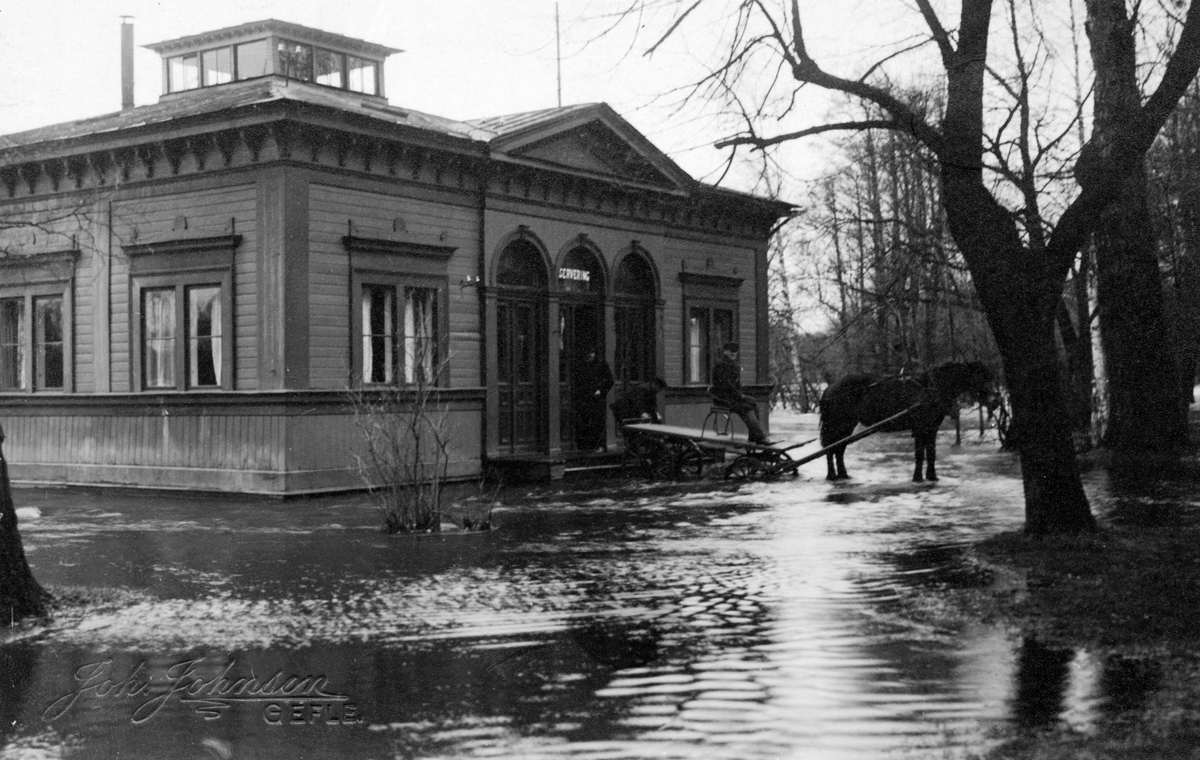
column 272, row 48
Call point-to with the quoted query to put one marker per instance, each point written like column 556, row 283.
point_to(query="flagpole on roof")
column 558, row 54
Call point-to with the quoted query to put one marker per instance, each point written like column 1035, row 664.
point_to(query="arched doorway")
column 521, row 284
column 581, row 285
column 635, row 298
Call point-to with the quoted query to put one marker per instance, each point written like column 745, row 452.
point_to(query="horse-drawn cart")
column 671, row 452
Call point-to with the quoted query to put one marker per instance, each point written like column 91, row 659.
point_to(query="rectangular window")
column 400, row 334
column 328, row 68
column 708, row 328
column 217, row 66
column 420, row 335
column 48, row 345
column 158, row 337
column 379, row 334
column 12, row 331
column 361, row 75
column 204, row 336
column 252, row 59
column 296, row 61
column 183, row 73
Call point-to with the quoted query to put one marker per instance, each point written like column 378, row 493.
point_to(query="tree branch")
column 940, row 36
column 906, row 119
column 766, row 142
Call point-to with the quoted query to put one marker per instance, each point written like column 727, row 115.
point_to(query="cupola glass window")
column 294, row 60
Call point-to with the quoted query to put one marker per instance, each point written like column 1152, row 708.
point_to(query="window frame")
column 182, row 264
column 710, row 294
column 414, row 261
column 181, row 283
column 399, row 283
column 42, row 278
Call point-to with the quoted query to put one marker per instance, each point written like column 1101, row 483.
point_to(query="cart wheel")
column 662, row 462
column 689, row 460
column 641, row 453
column 745, row 467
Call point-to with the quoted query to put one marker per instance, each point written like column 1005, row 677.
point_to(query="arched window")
column 521, row 266
column 635, row 292
column 581, row 272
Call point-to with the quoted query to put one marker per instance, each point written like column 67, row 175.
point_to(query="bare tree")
column 1143, row 413
column 1018, row 263
column 406, row 439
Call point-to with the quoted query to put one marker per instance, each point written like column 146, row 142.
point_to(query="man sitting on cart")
column 726, row 391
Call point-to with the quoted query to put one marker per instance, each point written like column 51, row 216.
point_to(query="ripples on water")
column 758, row 623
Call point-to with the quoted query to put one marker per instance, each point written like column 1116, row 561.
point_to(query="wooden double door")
column 521, row 374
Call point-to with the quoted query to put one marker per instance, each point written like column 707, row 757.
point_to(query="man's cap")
column 731, row 346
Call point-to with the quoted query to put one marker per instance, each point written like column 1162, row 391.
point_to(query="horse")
column 870, row 399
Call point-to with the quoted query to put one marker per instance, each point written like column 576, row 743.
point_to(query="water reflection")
column 770, row 621
column 18, row 667
column 1043, row 674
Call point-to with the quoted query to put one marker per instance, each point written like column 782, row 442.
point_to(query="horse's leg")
column 919, row 456
column 926, row 442
column 931, row 456
column 841, row 463
column 830, row 467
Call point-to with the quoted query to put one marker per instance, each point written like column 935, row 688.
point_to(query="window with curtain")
column 158, row 337
column 204, row 336
column 379, row 333
column 400, row 334
column 420, row 335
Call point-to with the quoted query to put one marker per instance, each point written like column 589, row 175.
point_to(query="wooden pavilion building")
column 189, row 289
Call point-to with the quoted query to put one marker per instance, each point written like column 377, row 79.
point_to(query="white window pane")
column 252, row 59
column 361, row 74
column 218, row 66
column 183, row 73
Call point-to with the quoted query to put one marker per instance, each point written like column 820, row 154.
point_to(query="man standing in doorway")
column 593, row 382
column 726, row 391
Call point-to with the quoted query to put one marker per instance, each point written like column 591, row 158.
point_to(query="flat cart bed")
column 670, row 451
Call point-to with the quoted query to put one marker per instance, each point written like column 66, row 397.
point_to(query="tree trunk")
column 20, row 594
column 1020, row 303
column 1019, row 291
column 1139, row 357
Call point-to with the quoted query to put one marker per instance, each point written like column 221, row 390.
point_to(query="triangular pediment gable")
column 592, row 140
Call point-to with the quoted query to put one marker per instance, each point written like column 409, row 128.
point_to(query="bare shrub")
column 406, row 451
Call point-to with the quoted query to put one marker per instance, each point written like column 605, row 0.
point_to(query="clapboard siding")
column 729, row 261
column 373, row 214
column 270, row 443
column 210, row 212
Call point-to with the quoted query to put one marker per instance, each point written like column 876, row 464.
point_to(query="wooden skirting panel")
column 279, row 443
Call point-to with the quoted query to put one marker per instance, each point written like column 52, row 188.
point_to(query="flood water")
column 770, row 620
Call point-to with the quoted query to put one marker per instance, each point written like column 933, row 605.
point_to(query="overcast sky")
column 462, row 59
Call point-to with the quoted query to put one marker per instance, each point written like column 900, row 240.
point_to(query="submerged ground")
column 614, row 618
